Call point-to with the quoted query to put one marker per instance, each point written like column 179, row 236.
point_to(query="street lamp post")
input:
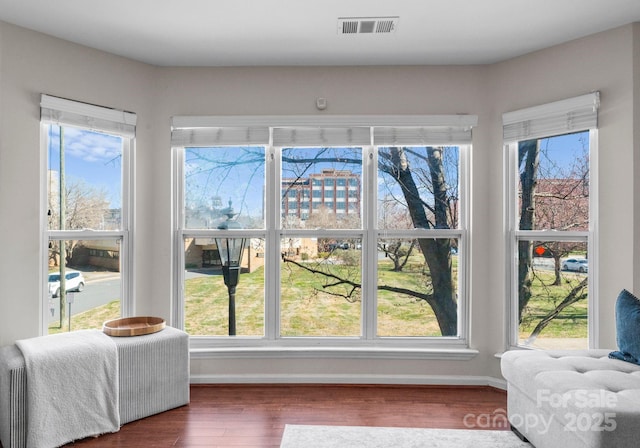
column 230, row 254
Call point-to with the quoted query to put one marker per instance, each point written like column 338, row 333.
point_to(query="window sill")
column 449, row 353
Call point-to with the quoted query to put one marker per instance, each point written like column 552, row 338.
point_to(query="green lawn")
column 571, row 323
column 307, row 309
column 93, row 318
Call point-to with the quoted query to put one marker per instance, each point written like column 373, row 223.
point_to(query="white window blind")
column 333, row 136
column 220, row 136
column 56, row 110
column 427, row 135
column 557, row 118
column 359, row 130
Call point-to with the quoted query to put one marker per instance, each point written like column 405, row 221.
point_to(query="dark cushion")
column 627, row 328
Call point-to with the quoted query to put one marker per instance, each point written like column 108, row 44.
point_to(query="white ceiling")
column 304, row 32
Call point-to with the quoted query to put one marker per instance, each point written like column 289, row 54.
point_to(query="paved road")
column 548, row 264
column 97, row 292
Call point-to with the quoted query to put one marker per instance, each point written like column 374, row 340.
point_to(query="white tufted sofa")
column 573, row 399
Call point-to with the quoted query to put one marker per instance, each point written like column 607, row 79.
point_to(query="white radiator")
column 153, row 377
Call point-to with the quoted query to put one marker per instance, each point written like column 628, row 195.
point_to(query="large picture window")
column 353, row 230
column 87, row 177
column 552, row 182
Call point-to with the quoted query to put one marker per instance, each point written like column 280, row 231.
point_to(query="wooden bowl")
column 133, row 326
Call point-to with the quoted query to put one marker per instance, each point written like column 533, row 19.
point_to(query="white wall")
column 348, row 90
column 601, row 62
column 31, row 63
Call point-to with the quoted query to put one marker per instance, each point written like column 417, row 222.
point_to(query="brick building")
column 337, row 191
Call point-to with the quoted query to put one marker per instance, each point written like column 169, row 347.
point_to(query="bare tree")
column 562, row 203
column 436, row 252
column 398, row 252
column 392, row 215
column 86, row 208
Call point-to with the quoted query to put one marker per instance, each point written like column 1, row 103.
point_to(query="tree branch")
column 355, row 286
column 574, row 296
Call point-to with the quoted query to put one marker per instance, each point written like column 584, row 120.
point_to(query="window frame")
column 79, row 115
column 556, row 118
column 368, row 344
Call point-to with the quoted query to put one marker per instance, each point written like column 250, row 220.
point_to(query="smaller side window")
column 551, row 185
column 86, row 174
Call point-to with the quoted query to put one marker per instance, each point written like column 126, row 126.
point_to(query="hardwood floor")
column 255, row 415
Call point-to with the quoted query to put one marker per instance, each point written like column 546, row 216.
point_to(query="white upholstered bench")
column 153, row 377
column 573, row 399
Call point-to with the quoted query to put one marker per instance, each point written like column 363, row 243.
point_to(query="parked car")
column 575, row 264
column 74, row 282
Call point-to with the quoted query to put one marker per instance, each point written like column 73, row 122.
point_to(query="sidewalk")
column 92, row 275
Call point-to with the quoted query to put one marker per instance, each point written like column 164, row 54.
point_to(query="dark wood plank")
column 245, row 415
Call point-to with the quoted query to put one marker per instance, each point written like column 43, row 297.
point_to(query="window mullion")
column 593, row 243
column 510, row 213
column 126, row 243
column 126, row 285
column 178, row 319
column 44, row 236
column 369, row 253
column 272, row 244
column 464, row 250
column 545, row 235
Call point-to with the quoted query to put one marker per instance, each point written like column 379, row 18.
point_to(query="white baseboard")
column 448, row 380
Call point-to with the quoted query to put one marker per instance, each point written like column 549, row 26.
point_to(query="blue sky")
column 227, row 173
column 560, row 154
column 92, row 157
column 95, row 158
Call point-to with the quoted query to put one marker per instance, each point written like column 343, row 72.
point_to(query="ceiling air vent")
column 367, row 25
